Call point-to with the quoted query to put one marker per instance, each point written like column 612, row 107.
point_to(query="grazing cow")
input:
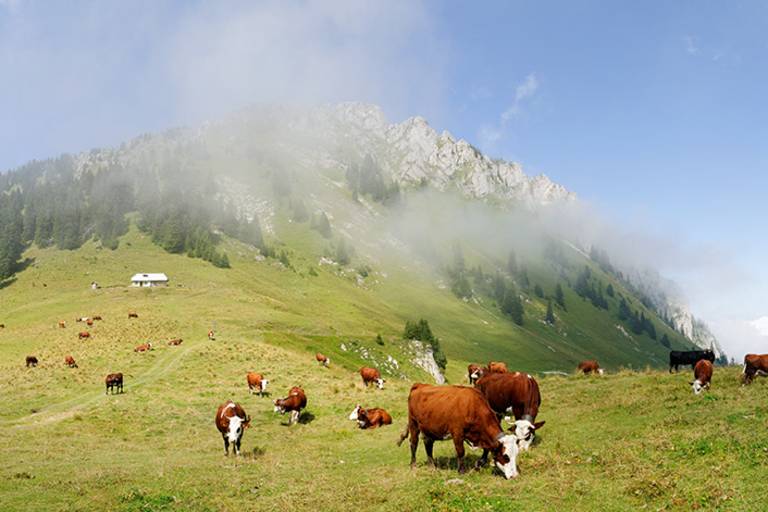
column 81, row 319
column 89, row 322
column 754, row 364
column 371, row 375
column 83, row 334
column 322, row 359
column 370, row 418
column 517, row 393
column 70, row 361
column 702, row 374
column 293, row 403
column 691, row 357
column 2, row 326
column 591, row 366
column 463, row 414
column 176, row 341
column 132, row 314
column 96, row 317
column 256, row 381
column 497, row 367
column 62, row 324
column 231, row 420
column 31, row 361
column 114, row 382
column 475, row 371
column 144, row 347
column 211, row 335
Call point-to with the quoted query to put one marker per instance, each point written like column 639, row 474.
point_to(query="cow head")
column 697, row 386
column 263, row 385
column 525, row 431
column 600, row 371
column 505, row 455
column 354, row 413
column 236, row 427
column 362, row 418
column 279, row 406
column 380, row 383
column 149, row 345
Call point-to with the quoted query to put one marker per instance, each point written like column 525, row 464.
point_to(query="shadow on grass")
column 254, row 454
column 306, row 418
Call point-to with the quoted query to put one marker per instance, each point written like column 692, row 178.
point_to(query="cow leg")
column 483, row 460
column 414, row 432
column 226, row 444
column 458, row 443
column 236, row 448
column 429, row 443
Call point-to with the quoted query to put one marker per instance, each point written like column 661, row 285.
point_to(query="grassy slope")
column 614, row 443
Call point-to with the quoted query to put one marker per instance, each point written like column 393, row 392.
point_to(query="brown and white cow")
column 144, row 347
column 114, row 382
column 70, row 362
column 372, row 376
column 211, row 335
column 370, row 418
column 132, row 314
column 590, row 366
column 516, row 393
column 31, row 361
column 256, row 381
column 460, row 413
column 175, row 341
column 293, row 403
column 62, row 324
column 497, row 367
column 83, row 334
column 702, row 375
column 754, row 364
column 231, row 421
column 475, row 371
column 322, row 359
column 89, row 322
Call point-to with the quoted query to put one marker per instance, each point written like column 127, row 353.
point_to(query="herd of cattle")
column 471, row 415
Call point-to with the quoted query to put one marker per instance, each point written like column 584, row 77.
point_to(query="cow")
column 211, row 335
column 114, row 381
column 175, row 341
column 691, row 357
column 96, row 317
column 144, row 347
column 702, row 375
column 323, row 359
column 497, row 367
column 70, row 361
column 370, row 376
column 81, row 319
column 754, row 364
column 62, row 324
column 132, row 314
column 463, row 414
column 590, row 366
column 293, row 403
column 31, row 361
column 83, row 334
column 256, row 381
column 2, row 326
column 475, row 371
column 89, row 322
column 370, row 418
column 231, row 421
column 517, row 393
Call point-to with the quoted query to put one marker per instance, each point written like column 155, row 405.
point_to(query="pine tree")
column 321, row 224
column 559, row 296
column 550, row 318
column 665, row 341
column 499, row 288
column 512, row 305
column 512, row 263
column 609, row 290
column 538, row 291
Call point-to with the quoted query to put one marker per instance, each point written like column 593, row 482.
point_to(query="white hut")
column 143, row 280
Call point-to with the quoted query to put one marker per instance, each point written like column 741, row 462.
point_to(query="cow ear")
column 690, row 383
column 538, row 425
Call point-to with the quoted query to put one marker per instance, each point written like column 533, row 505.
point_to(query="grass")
column 629, row 440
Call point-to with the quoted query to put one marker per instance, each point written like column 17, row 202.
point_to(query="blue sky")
column 653, row 112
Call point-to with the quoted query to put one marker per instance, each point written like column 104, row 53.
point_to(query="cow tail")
column 403, row 435
column 744, row 368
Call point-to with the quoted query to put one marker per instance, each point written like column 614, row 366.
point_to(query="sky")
column 654, row 113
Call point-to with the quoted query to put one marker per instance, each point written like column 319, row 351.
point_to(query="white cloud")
column 690, row 45
column 760, row 325
column 489, row 135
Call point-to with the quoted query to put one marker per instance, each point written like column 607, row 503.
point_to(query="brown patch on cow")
column 144, row 347
column 175, row 341
column 322, row 359
column 754, row 365
column 70, row 362
column 587, row 367
column 497, row 367
column 62, row 324
column 83, row 334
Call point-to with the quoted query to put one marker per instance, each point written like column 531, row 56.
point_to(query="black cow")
column 691, row 357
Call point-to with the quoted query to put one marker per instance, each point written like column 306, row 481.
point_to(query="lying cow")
column 144, row 347
column 591, row 366
column 31, row 361
column 231, row 420
column 256, row 381
column 462, row 414
column 211, row 335
column 371, row 376
column 702, row 375
column 70, row 362
column 62, row 324
column 475, row 371
column 517, row 393
column 323, row 359
column 83, row 334
column 370, row 418
column 132, row 314
column 497, row 367
column 691, row 357
column 114, row 382
column 754, row 364
column 89, row 322
column 175, row 341
column 293, row 403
